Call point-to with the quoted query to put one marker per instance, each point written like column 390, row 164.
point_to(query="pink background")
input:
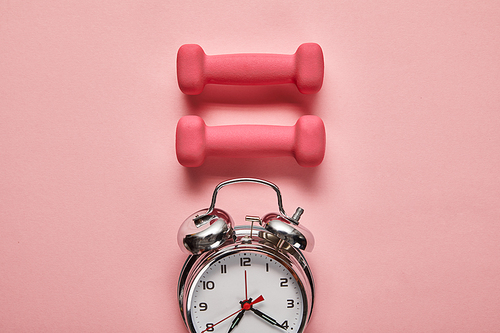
column 405, row 207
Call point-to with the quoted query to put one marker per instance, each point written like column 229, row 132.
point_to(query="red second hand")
column 257, row 300
column 246, row 292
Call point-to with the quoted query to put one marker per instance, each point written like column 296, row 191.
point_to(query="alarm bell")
column 207, row 229
column 211, row 231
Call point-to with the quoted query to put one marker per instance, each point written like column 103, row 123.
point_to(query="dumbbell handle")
column 248, row 69
column 305, row 141
column 249, row 140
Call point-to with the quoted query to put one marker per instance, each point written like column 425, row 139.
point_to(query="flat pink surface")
column 405, row 206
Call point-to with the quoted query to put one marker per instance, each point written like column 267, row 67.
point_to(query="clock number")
column 285, row 324
column 223, row 269
column 245, row 262
column 284, row 282
column 290, row 303
column 203, row 306
column 208, row 285
column 210, row 327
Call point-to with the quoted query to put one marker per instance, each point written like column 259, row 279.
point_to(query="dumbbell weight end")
column 190, row 141
column 310, row 141
column 309, row 64
column 190, row 69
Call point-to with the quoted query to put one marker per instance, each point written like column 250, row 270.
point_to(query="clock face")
column 246, row 292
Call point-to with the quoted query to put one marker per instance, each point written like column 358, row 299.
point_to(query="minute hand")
column 267, row 318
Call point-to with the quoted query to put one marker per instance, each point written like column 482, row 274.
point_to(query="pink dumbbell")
column 305, row 141
column 304, row 68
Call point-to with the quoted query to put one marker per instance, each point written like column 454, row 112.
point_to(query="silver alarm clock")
column 246, row 279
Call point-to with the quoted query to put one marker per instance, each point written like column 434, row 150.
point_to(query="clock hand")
column 246, row 289
column 236, row 320
column 267, row 318
column 257, row 300
column 249, row 305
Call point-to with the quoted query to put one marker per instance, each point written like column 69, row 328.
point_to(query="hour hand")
column 267, row 318
column 236, row 320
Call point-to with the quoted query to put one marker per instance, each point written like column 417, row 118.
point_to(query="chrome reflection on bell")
column 195, row 238
column 294, row 234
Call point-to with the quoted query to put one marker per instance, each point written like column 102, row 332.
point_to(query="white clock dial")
column 246, row 292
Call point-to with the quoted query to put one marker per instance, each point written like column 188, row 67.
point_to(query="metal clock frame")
column 255, row 239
